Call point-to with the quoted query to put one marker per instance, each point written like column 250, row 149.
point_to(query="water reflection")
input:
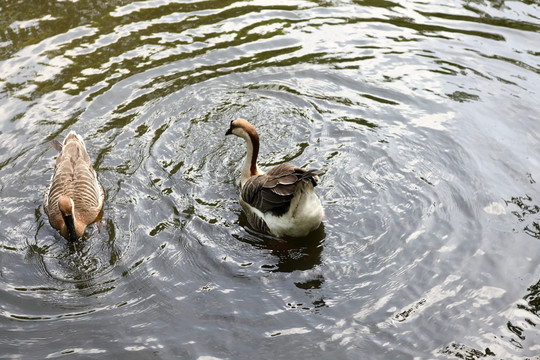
column 462, row 351
column 527, row 214
column 291, row 255
column 517, row 334
column 532, row 305
column 288, row 254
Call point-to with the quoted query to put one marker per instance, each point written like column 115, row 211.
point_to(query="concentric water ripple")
column 422, row 118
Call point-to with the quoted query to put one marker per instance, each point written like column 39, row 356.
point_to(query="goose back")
column 274, row 190
column 75, row 178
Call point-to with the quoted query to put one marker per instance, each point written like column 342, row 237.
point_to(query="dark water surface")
column 423, row 117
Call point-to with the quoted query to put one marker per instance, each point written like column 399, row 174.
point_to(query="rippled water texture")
column 422, row 116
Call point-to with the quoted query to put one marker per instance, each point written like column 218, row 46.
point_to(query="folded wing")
column 274, row 190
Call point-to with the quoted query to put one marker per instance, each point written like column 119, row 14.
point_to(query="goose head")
column 242, row 128
column 67, row 209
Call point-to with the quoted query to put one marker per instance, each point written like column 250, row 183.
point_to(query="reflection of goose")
column 74, row 198
column 280, row 201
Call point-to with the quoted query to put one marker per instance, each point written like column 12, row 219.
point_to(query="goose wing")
column 61, row 182
column 274, row 190
column 89, row 194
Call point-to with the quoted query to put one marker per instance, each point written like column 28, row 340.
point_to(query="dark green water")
column 423, row 117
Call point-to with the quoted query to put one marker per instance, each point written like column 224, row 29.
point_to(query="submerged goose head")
column 66, row 207
column 74, row 199
column 280, row 201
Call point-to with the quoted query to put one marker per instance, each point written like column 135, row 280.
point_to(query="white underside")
column 304, row 215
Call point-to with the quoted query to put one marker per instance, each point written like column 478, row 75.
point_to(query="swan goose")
column 74, row 198
column 281, row 201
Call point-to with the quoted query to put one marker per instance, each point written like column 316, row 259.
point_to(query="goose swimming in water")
column 281, row 201
column 74, row 199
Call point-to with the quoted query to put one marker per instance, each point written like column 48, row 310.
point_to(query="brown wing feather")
column 274, row 190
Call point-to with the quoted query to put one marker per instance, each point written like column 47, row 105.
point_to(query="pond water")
column 422, row 116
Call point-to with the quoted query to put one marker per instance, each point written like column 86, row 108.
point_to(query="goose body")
column 74, row 199
column 280, row 201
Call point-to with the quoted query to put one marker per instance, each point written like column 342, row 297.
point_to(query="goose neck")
column 250, row 167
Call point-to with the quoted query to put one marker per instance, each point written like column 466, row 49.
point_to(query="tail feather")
column 57, row 145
